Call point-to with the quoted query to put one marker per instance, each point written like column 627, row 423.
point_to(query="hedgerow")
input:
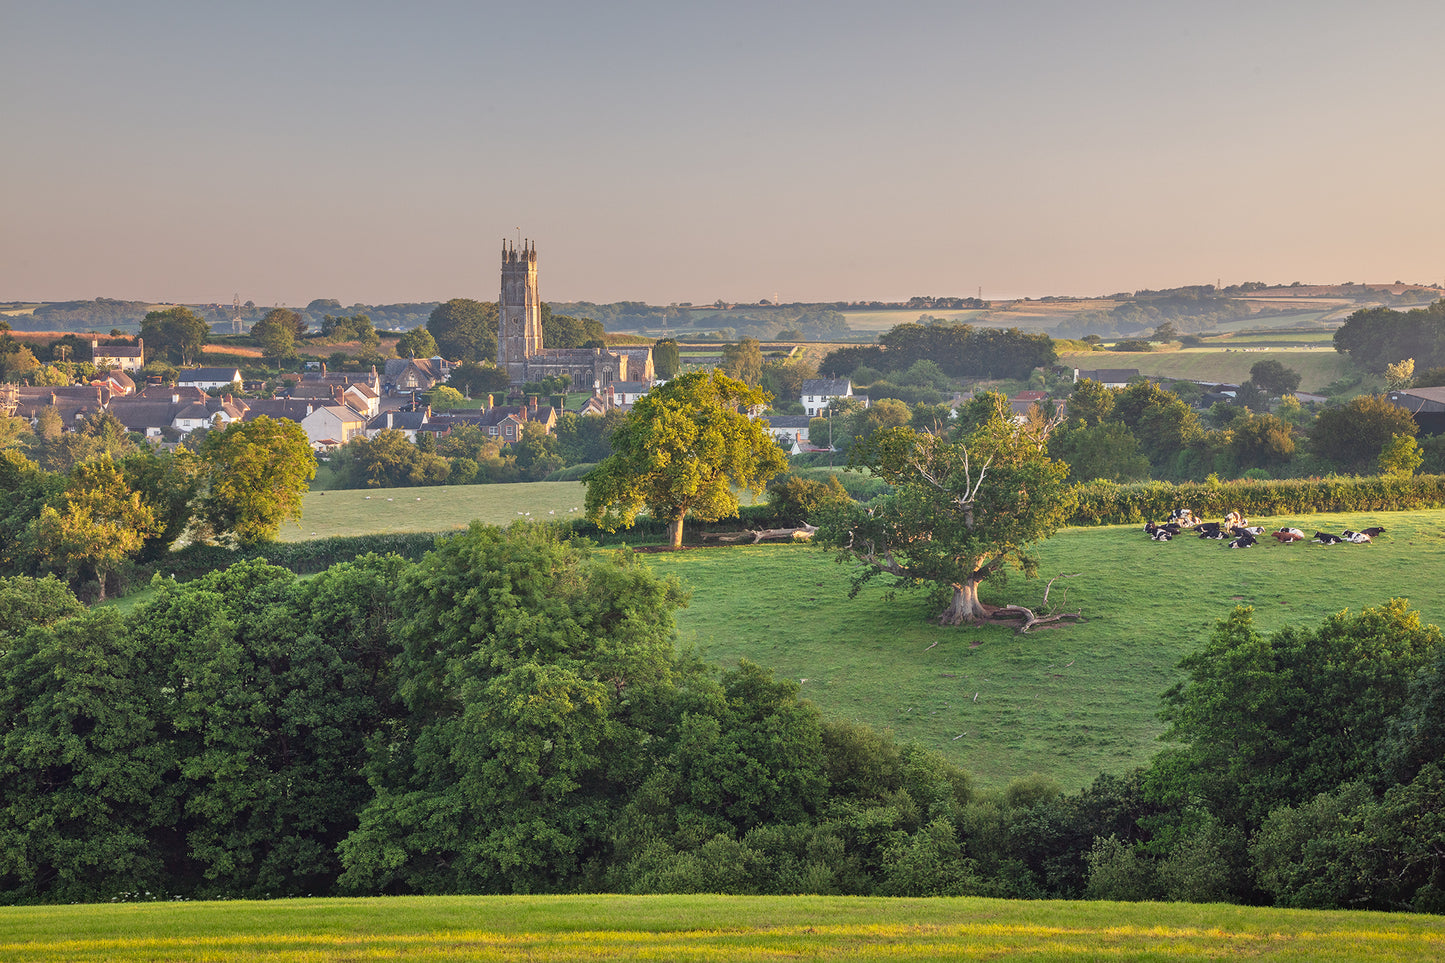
column 1109, row 503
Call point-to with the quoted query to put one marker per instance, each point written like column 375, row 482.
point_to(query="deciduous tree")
column 465, row 330
column 1353, row 435
column 416, row 343
column 959, row 513
column 178, row 334
column 1273, row 378
column 257, row 472
column 276, row 333
column 100, row 522
column 683, row 450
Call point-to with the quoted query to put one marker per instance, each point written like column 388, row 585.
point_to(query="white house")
column 819, row 392
column 208, row 379
column 121, row 356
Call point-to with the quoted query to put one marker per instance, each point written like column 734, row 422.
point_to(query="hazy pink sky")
column 378, row 152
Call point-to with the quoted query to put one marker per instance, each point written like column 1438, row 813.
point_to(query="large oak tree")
column 685, row 449
column 959, row 512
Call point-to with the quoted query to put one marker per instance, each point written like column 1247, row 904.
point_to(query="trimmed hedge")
column 303, row 558
column 1108, row 503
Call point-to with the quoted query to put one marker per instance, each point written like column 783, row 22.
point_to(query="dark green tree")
column 1268, row 721
column 528, row 673
column 416, row 343
column 1273, row 378
column 465, row 330
column 176, row 334
column 276, row 334
column 665, row 358
column 82, row 764
column 1353, row 435
column 272, row 687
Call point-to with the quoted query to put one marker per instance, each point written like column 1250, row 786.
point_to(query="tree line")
column 959, row 350
column 511, row 713
column 92, row 501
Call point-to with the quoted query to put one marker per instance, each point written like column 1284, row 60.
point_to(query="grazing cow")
column 1287, row 535
column 1235, row 518
column 1372, row 531
column 1324, row 538
column 1243, row 541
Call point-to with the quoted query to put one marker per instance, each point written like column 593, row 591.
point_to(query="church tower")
column 519, row 311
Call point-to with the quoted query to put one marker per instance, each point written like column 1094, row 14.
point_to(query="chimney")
column 175, row 397
column 490, row 405
column 390, row 418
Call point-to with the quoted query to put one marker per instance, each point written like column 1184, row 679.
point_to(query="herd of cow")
column 1241, row 534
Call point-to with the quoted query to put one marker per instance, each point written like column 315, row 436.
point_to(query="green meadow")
column 702, row 928
column 437, row 509
column 1070, row 702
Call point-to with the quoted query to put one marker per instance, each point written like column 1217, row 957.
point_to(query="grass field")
column 1317, row 366
column 883, row 320
column 702, row 928
column 440, row 509
column 1070, row 702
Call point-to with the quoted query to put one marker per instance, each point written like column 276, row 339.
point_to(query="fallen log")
column 754, row 536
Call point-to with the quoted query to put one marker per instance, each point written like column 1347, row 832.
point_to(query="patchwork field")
column 1317, row 366
column 701, row 928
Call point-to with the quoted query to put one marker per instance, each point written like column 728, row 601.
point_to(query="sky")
column 380, row 152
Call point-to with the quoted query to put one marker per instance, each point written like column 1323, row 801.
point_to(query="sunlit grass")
column 702, row 928
column 435, row 509
column 1070, row 702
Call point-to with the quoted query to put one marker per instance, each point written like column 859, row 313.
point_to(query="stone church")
column 520, row 351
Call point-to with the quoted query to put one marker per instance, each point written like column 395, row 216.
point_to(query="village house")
column 332, row 426
column 404, row 375
column 1108, row 377
column 207, row 379
column 74, row 403
column 126, row 357
column 408, row 423
column 116, row 381
column 818, row 393
column 791, row 432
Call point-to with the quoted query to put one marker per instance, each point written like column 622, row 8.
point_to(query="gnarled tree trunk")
column 965, row 607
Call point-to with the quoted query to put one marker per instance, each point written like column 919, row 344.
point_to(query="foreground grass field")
column 702, row 928
column 1070, row 702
